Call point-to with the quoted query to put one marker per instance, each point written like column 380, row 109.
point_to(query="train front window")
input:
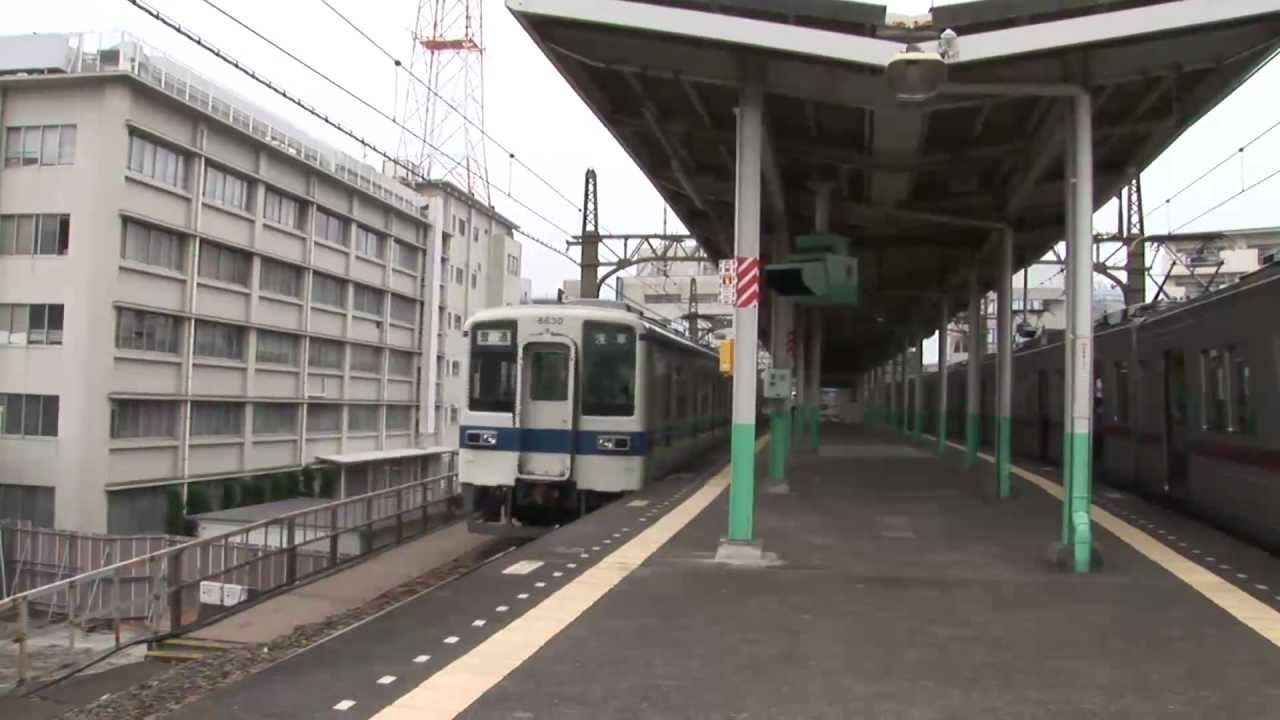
column 549, row 376
column 493, row 368
column 608, row 370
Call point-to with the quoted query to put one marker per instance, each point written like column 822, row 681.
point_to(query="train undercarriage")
column 529, row 508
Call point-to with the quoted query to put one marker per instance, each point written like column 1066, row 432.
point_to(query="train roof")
column 604, row 310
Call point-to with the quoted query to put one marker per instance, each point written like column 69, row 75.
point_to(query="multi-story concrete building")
column 1211, row 260
column 478, row 267
column 192, row 290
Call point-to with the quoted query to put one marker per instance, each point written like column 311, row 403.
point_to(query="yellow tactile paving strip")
column 455, row 687
column 1254, row 614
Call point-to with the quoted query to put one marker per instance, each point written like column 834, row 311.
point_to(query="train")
column 1186, row 406
column 573, row 404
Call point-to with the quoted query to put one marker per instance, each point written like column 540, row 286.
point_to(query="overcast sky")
column 531, row 110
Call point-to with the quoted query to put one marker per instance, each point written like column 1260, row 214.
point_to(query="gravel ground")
column 189, row 681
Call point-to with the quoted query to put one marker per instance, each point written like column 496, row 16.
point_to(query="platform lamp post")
column 916, row 76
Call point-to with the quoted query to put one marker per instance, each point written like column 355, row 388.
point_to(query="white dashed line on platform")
column 595, row 548
column 345, row 705
column 386, row 679
column 1242, row 576
column 451, row 640
column 539, row 584
column 477, row 623
column 524, row 567
column 556, row 574
column 501, row 608
column 1262, row 587
column 421, row 659
column 572, row 565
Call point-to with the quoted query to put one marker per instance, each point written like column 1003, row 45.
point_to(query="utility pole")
column 588, row 275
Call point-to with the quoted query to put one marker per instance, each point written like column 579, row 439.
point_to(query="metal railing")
column 177, row 589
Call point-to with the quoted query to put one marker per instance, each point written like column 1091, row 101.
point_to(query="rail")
column 177, row 589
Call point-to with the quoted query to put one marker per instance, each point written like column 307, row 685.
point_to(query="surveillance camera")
column 916, row 75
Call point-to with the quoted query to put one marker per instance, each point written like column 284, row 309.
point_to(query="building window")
column 277, row 348
column 224, row 264
column 216, row 340
column 325, row 354
column 144, row 419
column 362, row 418
column 473, row 281
column 366, row 359
column 399, row 417
column 226, row 189
column 403, row 309
column 367, row 300
column 280, row 278
column 461, row 225
column 324, row 419
column 513, row 265
column 145, row 331
column 331, row 228
column 455, row 368
column 31, row 324
column 217, row 418
column 152, row 246
column 458, row 275
column 328, row 290
column 29, row 415
column 407, row 256
column 370, row 243
column 275, row 418
column 282, row 210
column 399, row 363
column 157, row 162
column 47, row 145
column 35, row 234
column 453, row 414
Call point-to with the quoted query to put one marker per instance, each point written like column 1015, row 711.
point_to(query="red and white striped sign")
column 748, row 281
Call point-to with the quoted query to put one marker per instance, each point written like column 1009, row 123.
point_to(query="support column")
column 917, row 404
column 904, row 391
column 944, row 353
column 746, row 319
column 780, row 410
column 1004, row 364
column 1080, row 308
column 799, row 331
column 813, row 378
column 1068, row 363
column 973, row 373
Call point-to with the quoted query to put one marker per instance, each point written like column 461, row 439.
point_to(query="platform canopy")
column 664, row 77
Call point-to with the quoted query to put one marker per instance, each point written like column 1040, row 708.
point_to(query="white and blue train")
column 570, row 405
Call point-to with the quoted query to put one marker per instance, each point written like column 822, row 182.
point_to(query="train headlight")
column 614, row 443
column 487, row 438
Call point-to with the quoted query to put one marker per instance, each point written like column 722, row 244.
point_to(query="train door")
column 546, row 411
column 1043, row 422
column 1175, row 422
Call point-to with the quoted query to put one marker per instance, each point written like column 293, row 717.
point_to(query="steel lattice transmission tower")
column 448, row 53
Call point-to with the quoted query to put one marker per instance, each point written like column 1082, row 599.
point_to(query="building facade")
column 1209, row 261
column 665, row 289
column 191, row 290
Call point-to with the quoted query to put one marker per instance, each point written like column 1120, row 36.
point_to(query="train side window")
column 1240, row 386
column 1122, row 393
column 1213, row 377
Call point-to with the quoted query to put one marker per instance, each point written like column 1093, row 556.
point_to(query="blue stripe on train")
column 578, row 442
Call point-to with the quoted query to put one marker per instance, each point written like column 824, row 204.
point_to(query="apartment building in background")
column 1212, row 260
column 478, row 267
column 191, row 290
column 664, row 289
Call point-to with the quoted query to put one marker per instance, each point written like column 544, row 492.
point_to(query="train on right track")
column 1187, row 404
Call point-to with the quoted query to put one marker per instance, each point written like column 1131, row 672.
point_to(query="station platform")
column 902, row 590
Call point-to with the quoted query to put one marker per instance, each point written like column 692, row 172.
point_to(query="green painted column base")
column 942, row 435
column 1004, row 455
column 1078, row 495
column 742, row 482
column 972, row 432
column 779, row 440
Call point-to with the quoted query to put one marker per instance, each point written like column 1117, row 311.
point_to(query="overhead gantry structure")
column 760, row 120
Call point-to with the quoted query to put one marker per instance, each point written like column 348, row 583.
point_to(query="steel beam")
column 944, row 353
column 746, row 319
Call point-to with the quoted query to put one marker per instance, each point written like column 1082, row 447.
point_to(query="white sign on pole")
column 728, row 281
